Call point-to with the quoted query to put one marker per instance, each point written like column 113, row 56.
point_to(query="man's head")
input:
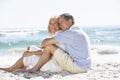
column 65, row 21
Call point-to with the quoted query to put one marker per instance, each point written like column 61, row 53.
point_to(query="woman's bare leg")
column 47, row 53
column 18, row 65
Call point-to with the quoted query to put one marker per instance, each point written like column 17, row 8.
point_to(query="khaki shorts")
column 66, row 62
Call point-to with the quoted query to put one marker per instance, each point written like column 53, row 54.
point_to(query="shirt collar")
column 75, row 27
column 72, row 26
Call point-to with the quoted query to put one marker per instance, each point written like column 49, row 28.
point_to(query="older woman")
column 33, row 53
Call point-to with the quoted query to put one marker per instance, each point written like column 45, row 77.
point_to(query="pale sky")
column 29, row 13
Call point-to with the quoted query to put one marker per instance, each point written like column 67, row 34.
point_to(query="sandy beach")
column 25, row 23
column 105, row 66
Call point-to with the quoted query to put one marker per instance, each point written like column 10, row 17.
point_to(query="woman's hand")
column 32, row 70
column 28, row 48
column 27, row 53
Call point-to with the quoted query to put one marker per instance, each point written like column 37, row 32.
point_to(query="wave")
column 10, row 38
column 18, row 33
column 95, row 49
column 21, row 44
column 106, row 49
column 104, row 35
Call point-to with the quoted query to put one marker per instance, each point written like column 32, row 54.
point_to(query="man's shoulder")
column 75, row 28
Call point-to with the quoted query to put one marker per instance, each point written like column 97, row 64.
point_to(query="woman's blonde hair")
column 49, row 30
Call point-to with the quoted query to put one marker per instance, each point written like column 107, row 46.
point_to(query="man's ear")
column 70, row 21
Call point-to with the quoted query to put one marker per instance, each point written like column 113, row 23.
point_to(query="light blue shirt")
column 77, row 45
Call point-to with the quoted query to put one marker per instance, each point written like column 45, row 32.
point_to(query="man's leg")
column 47, row 53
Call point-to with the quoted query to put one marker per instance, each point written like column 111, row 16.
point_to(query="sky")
column 36, row 13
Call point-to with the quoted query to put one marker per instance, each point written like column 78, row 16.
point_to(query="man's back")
column 76, row 45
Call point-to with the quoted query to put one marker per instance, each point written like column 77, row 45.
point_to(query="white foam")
column 106, row 49
column 103, row 54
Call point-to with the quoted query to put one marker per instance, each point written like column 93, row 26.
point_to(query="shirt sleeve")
column 64, row 37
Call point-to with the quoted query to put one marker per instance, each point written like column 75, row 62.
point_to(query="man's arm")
column 48, row 41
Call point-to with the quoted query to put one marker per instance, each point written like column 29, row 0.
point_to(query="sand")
column 105, row 66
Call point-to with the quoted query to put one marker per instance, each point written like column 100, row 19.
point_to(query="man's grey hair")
column 68, row 16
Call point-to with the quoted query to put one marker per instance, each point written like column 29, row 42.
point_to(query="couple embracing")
column 69, row 48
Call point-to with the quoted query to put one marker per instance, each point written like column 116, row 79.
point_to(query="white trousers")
column 31, row 61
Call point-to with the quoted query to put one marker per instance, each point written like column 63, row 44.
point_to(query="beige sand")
column 104, row 67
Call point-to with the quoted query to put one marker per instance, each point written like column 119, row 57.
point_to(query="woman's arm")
column 28, row 53
column 46, row 42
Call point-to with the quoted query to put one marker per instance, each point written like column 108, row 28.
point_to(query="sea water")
column 12, row 39
column 109, row 35
column 20, row 38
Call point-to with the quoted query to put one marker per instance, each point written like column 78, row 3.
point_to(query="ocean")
column 18, row 38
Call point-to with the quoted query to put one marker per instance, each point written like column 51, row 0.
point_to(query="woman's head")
column 53, row 25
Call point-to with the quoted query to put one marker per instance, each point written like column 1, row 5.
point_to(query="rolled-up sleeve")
column 63, row 37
